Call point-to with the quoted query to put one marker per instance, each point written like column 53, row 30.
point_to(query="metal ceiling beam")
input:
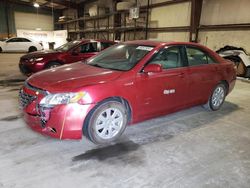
column 196, row 7
column 167, row 3
column 68, row 4
column 18, row 2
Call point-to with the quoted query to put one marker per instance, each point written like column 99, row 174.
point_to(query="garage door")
column 31, row 21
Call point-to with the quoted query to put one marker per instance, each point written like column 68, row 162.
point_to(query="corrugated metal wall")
column 32, row 21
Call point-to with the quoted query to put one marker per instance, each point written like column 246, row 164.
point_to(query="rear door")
column 25, row 44
column 165, row 91
column 203, row 73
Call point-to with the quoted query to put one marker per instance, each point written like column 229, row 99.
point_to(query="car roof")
column 161, row 43
column 20, row 38
column 145, row 42
column 93, row 40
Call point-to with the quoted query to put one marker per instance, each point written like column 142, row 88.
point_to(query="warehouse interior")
column 189, row 148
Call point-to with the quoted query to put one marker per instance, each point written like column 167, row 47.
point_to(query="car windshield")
column 68, row 45
column 121, row 57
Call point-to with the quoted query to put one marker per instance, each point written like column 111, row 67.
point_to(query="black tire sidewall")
column 247, row 75
column 49, row 65
column 212, row 107
column 32, row 49
column 91, row 133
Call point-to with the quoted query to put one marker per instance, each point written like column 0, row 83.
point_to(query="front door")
column 13, row 45
column 164, row 91
column 83, row 52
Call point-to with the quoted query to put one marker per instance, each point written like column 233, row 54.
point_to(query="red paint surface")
column 142, row 91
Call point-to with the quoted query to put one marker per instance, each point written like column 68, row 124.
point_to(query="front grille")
column 24, row 59
column 25, row 99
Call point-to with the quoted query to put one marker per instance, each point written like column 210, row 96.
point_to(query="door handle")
column 177, row 74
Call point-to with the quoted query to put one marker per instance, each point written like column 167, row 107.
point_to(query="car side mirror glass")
column 152, row 68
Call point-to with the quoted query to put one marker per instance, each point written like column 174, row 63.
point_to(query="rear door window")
column 89, row 47
column 197, row 57
column 105, row 45
column 25, row 40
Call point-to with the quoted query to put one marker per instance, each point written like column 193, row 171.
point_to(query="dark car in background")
column 78, row 50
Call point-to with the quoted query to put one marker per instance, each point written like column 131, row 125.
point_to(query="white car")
column 20, row 44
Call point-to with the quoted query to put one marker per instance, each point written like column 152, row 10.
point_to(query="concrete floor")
column 191, row 148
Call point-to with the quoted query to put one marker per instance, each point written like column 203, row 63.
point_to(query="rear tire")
column 32, row 49
column 1, row 50
column 106, row 122
column 247, row 75
column 53, row 65
column 217, row 98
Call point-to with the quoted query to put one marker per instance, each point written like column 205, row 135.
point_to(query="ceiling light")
column 36, row 5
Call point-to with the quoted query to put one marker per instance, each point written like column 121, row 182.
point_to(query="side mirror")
column 152, row 68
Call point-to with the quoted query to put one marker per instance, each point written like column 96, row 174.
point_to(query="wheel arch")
column 114, row 98
column 226, row 84
column 32, row 46
column 54, row 61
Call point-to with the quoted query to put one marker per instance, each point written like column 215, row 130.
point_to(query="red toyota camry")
column 70, row 52
column 126, row 83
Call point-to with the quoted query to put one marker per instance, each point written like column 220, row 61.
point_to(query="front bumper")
column 64, row 122
column 27, row 68
column 61, row 121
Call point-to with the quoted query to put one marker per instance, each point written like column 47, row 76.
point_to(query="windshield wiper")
column 96, row 65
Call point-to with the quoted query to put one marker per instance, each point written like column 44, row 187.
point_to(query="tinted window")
column 15, row 40
column 210, row 60
column 105, row 45
column 68, row 46
column 169, row 58
column 25, row 40
column 89, row 47
column 197, row 57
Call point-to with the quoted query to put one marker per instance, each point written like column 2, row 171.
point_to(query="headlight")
column 36, row 59
column 61, row 98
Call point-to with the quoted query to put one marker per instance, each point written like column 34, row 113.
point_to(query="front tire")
column 53, row 65
column 32, row 49
column 106, row 122
column 217, row 98
column 1, row 50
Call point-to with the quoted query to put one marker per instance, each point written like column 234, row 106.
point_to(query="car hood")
column 71, row 77
column 41, row 53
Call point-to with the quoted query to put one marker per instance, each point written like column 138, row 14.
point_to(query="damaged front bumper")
column 63, row 121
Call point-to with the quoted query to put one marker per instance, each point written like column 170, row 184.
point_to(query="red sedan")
column 68, row 53
column 126, row 83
